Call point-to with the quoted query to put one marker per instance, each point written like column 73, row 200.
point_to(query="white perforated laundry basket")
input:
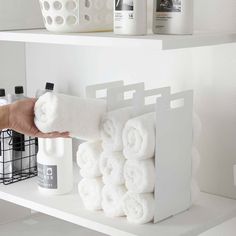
column 77, row 15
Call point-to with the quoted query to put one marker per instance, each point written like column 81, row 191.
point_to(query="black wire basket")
column 18, row 157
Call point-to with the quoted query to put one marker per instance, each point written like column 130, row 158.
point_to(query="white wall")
column 12, row 65
column 211, row 71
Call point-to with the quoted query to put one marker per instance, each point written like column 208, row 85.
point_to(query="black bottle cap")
column 2, row 93
column 19, row 90
column 49, row 86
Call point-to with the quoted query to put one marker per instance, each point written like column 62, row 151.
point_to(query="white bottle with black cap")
column 5, row 148
column 21, row 143
column 130, row 17
column 54, row 161
column 49, row 87
column 173, row 17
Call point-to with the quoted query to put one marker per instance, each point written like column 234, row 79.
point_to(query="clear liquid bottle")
column 21, row 144
column 5, row 148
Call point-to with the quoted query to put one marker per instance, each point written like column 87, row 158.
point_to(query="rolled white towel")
column 139, row 208
column 139, row 137
column 112, row 168
column 196, row 160
column 59, row 112
column 90, row 191
column 140, row 176
column 195, row 191
column 112, row 125
column 88, row 157
column 112, row 200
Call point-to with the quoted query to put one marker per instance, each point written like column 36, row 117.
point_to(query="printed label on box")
column 47, row 176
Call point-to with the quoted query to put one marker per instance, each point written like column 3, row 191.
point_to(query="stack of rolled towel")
column 119, row 171
column 112, row 161
column 91, row 185
column 139, row 170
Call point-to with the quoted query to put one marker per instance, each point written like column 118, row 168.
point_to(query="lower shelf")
column 40, row 224
column 208, row 212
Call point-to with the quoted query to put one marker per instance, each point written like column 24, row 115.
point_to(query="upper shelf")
column 108, row 39
column 208, row 212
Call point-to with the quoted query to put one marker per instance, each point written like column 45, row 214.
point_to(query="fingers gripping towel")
column 112, row 125
column 112, row 200
column 139, row 137
column 62, row 113
column 90, row 191
column 140, row 176
column 88, row 156
column 112, row 168
column 139, row 208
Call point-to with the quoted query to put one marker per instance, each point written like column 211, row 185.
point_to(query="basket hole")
column 71, row 5
column 87, row 17
column 49, row 20
column 57, row 5
column 71, row 20
column 87, row 3
column 59, row 20
column 46, row 5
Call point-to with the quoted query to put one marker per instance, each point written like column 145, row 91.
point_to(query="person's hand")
column 21, row 119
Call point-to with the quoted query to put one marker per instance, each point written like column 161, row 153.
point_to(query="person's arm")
column 19, row 116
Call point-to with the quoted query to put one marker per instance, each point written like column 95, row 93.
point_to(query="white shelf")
column 108, row 39
column 208, row 212
column 39, row 224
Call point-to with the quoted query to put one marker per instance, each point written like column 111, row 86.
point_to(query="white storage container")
column 20, row 14
column 77, row 15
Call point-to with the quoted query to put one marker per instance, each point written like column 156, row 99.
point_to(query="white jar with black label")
column 173, row 17
column 55, row 166
column 130, row 17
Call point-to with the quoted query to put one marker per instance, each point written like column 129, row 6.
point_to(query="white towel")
column 139, row 137
column 195, row 191
column 196, row 159
column 88, row 157
column 112, row 168
column 80, row 117
column 112, row 125
column 112, row 200
column 90, row 191
column 139, row 208
column 140, row 176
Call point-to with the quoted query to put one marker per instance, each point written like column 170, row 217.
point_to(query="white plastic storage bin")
column 20, row 14
column 77, row 15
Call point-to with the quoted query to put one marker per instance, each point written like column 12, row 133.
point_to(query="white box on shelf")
column 20, row 14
